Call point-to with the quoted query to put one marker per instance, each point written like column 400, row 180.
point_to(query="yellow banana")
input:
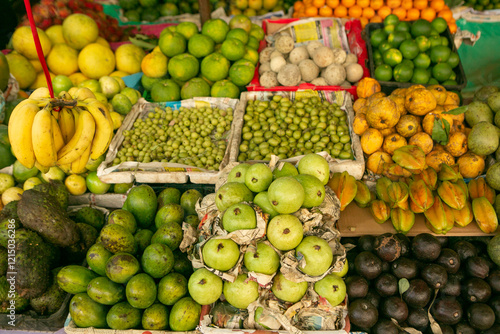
column 78, row 166
column 66, row 168
column 43, row 138
column 41, row 168
column 56, row 132
column 104, row 127
column 20, row 136
column 67, row 124
column 84, row 133
column 40, row 93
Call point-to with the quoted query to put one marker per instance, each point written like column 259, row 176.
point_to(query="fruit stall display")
column 375, row 11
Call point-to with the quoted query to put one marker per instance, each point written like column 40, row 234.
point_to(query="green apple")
column 258, row 177
column 288, row 291
column 317, row 254
column 286, row 195
column 332, row 288
column 204, row 286
column 241, row 292
column 239, row 217
column 221, row 254
column 6, row 182
column 237, row 174
column 314, row 190
column 315, row 165
column 263, row 260
column 284, row 169
column 262, row 200
column 54, row 174
column 285, row 232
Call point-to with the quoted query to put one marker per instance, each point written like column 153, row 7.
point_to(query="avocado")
column 76, row 253
column 446, row 329
column 104, row 291
column 480, row 316
column 476, row 290
column 366, row 243
column 117, row 239
column 426, row 247
column 141, row 291
column 418, row 319
column 442, row 240
column 169, row 195
column 90, row 216
column 157, row 260
column 494, row 280
column 123, row 316
column 394, row 307
column 477, row 266
column 356, row 286
column 464, row 328
column 188, row 201
column 404, row 268
column 75, row 279
column 185, row 315
column 492, row 330
column 51, row 300
column 385, row 326
column 447, row 311
column 405, row 243
column 374, row 298
column 368, row 265
column 495, row 306
column 142, row 203
column 387, row 247
column 155, row 316
column 434, row 275
column 386, row 285
column 449, row 259
column 182, row 265
column 143, row 239
column 97, row 256
column 121, row 267
column 87, row 313
column 464, row 250
column 418, row 294
column 169, row 234
column 362, row 313
column 452, row 287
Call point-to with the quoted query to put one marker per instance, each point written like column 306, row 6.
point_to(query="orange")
column 376, row 19
column 325, row 11
column 407, row 4
column 446, row 14
column 299, row 5
column 340, row 11
column 355, row 11
column 368, row 13
column 384, row 11
column 420, row 4
column 393, row 3
column 364, row 21
column 311, row 11
column 376, row 4
column 428, row 14
column 400, row 13
column 412, row 14
column 332, row 3
column 348, row 3
column 318, row 3
column 452, row 27
column 363, row 3
column 437, row 5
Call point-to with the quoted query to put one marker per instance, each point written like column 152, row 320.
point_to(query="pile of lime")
column 189, row 136
column 413, row 52
column 481, row 5
column 288, row 128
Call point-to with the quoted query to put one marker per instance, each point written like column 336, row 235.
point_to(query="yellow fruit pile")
column 64, row 132
column 408, row 116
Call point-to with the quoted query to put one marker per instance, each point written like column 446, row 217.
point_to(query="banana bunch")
column 66, row 131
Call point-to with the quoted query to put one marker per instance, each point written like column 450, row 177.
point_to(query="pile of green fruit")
column 481, row 5
column 290, row 128
column 413, row 52
column 37, row 237
column 394, row 278
column 190, row 136
column 137, row 277
column 152, row 10
column 218, row 61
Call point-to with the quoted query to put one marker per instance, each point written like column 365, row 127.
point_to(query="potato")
column 284, row 44
column 308, row 70
column 268, row 79
column 323, row 56
column 312, row 46
column 289, row 75
column 265, row 55
column 277, row 63
column 351, row 58
column 334, row 74
column 319, row 82
column 276, row 53
column 264, row 67
column 354, row 72
column 298, row 54
column 339, row 56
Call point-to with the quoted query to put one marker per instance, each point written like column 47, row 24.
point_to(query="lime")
column 195, row 87
column 242, row 72
column 435, row 40
column 121, row 104
column 377, row 55
column 61, row 83
column 187, row 29
column 439, row 24
column 241, row 21
column 150, row 15
column 479, row 8
column 200, row 45
column 217, row 29
column 251, row 55
column 148, row 82
column 396, row 38
column 453, row 76
column 172, row 44
column 391, row 20
column 403, row 72
column 421, row 27
column 238, row 33
column 402, row 26
column 423, row 43
column 384, row 47
column 377, row 37
column 215, row 67
column 433, row 81
column 132, row 15
column 253, row 43
column 383, row 73
column 95, row 185
column 440, row 54
column 225, row 88
column 257, row 32
column 433, row 32
column 442, row 72
column 420, row 76
column 378, row 62
column 409, row 63
column 392, row 57
column 183, row 67
column 233, row 49
column 422, row 61
column 389, row 28
column 409, row 49
column 445, row 41
column 450, row 83
column 165, row 90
